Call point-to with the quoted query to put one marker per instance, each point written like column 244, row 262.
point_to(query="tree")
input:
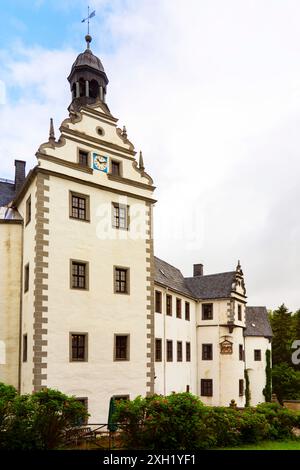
column 286, row 382
column 282, row 326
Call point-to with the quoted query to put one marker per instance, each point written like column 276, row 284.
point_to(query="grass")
column 292, row 444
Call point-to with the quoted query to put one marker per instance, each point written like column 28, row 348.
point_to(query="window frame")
column 158, row 357
column 25, row 348
column 169, row 352
column 88, row 155
column 85, row 403
column 187, row 310
column 257, row 357
column 119, row 358
column 86, row 198
column 240, row 317
column 127, row 280
column 169, row 305
column 188, row 351
column 113, row 162
column 178, row 307
column 241, row 352
column 158, row 303
column 118, row 206
column 26, row 277
column 28, row 209
column 86, row 345
column 207, row 353
column 179, row 351
column 204, row 316
column 86, row 274
column 241, row 387
column 206, row 388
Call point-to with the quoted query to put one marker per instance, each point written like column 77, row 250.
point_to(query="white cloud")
column 211, row 92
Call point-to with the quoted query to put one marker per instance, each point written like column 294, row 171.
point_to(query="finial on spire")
column 90, row 15
column 239, row 267
column 124, row 132
column 88, row 39
column 51, row 132
column 141, row 162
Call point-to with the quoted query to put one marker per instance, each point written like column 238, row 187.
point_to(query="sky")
column 209, row 90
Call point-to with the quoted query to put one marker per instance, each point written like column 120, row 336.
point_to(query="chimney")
column 198, row 270
column 19, row 174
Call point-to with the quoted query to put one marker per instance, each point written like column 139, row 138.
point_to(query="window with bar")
column 241, row 352
column 28, row 210
column 158, row 301
column 26, row 277
column 239, row 312
column 121, row 347
column 121, row 280
column 158, row 350
column 207, row 311
column 120, row 216
column 79, row 275
column 188, row 352
column 257, row 354
column 83, row 158
column 78, row 347
column 25, row 347
column 207, row 352
column 178, row 308
column 187, row 311
column 169, row 350
column 206, row 387
column 115, row 168
column 179, row 351
column 79, row 207
column 241, row 387
column 169, row 305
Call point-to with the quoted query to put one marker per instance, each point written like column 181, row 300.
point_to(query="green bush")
column 180, row 421
column 38, row 421
column 177, row 421
column 281, row 420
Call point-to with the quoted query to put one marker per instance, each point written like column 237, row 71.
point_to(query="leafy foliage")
column 180, row 421
column 282, row 326
column 286, row 382
column 37, row 421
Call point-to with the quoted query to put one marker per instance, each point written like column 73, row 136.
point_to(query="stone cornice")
column 60, row 161
column 120, row 179
column 84, row 137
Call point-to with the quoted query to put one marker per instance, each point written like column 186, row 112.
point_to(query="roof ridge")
column 207, row 275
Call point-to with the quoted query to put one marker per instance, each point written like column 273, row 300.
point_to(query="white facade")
column 42, row 314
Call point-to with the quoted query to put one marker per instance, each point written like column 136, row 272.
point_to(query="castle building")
column 85, row 306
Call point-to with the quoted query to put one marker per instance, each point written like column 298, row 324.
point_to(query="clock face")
column 100, row 162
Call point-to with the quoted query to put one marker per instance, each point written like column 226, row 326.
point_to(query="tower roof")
column 88, row 59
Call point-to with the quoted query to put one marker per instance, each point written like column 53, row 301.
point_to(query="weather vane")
column 90, row 15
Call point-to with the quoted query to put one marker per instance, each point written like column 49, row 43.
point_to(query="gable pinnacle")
column 51, row 132
column 124, row 132
column 141, row 162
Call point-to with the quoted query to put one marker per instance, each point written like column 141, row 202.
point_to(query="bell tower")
column 88, row 80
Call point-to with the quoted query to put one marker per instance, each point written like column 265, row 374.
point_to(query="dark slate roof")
column 87, row 58
column 7, row 192
column 257, row 322
column 170, row 276
column 212, row 286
